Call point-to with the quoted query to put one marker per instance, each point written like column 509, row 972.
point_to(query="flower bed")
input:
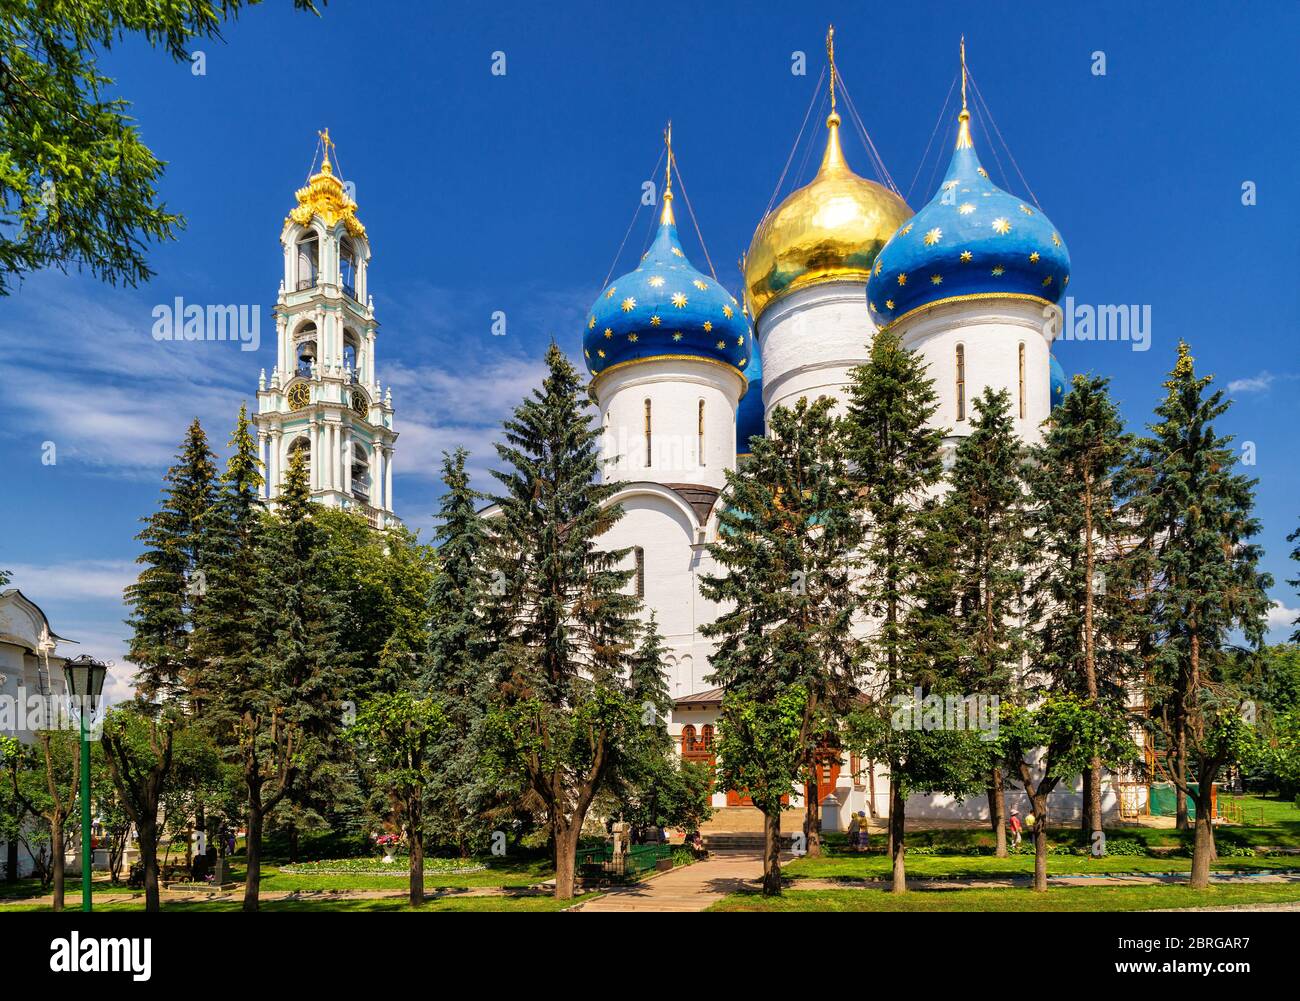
column 400, row 865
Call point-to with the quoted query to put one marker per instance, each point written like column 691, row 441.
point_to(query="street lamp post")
column 85, row 678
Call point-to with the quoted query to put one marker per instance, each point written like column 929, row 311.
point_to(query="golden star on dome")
column 1001, row 225
column 889, row 303
column 629, row 304
column 654, row 320
column 983, row 173
column 708, row 326
column 740, row 341
column 966, row 208
column 600, row 352
column 933, row 236
column 966, row 256
column 1026, row 210
column 726, row 311
column 586, row 352
column 902, row 278
column 949, row 185
column 632, row 338
column 609, row 332
column 873, row 306
column 878, row 266
column 591, row 324
column 1047, row 281
column 677, row 336
column 997, row 272
column 936, row 279
column 1056, row 240
column 722, row 345
column 679, row 300
column 905, row 230
column 702, row 286
column 610, row 293
column 656, row 281
column 1033, row 258
column 678, row 252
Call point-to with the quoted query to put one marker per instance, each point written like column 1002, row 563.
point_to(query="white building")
column 324, row 395
column 970, row 282
column 30, row 672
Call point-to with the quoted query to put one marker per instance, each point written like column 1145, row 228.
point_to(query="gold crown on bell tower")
column 324, row 194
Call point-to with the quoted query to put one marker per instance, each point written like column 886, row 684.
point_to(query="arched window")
column 688, row 737
column 638, row 554
column 348, row 268
column 360, row 472
column 706, row 736
column 1022, row 380
column 647, row 432
column 308, row 260
column 302, row 444
column 961, row 382
column 304, row 351
column 700, row 432
column 351, row 354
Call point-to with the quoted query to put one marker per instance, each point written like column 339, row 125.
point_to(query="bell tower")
column 323, row 395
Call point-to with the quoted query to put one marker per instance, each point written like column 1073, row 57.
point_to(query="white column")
column 347, row 461
column 388, row 478
column 377, row 477
column 370, row 357
column 275, row 464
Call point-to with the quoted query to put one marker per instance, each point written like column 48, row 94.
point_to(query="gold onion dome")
column 326, row 196
column 829, row 230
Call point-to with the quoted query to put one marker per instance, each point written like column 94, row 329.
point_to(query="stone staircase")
column 735, row 828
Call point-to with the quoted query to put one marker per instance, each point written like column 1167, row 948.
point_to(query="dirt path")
column 687, row 888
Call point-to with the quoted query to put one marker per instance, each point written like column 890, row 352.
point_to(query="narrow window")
column 639, row 555
column 1022, row 381
column 700, row 432
column 647, row 432
column 961, row 382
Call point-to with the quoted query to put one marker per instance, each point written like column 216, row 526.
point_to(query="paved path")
column 687, row 888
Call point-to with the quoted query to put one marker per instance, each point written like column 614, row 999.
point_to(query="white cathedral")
column 685, row 374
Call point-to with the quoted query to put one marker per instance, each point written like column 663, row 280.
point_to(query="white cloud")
column 76, row 581
column 1255, row 384
column 1282, row 619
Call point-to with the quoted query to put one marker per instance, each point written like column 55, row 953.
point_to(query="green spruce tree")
column 564, row 622
column 786, row 548
column 987, row 510
column 1193, row 513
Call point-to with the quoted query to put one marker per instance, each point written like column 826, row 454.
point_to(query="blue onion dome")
column 666, row 309
column 972, row 241
column 1059, row 383
column 749, row 414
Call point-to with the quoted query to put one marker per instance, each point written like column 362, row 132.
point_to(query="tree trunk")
column 1040, row 843
column 1180, row 763
column 415, row 838
column 1085, row 797
column 11, row 860
column 253, row 854
column 871, row 789
column 897, row 843
column 812, row 818
column 1094, row 798
column 566, row 852
column 1203, row 846
column 148, row 832
column 998, row 814
column 772, row 852
column 56, row 861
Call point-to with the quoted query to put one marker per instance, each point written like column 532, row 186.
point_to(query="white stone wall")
column 991, row 332
column 675, row 388
column 810, row 340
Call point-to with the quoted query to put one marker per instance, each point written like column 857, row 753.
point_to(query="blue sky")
column 484, row 193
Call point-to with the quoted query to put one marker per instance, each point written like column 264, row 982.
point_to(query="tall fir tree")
column 464, row 799
column 564, row 621
column 1084, row 577
column 1193, row 513
column 987, row 510
column 172, row 584
column 905, row 582
column 1295, row 555
column 786, row 548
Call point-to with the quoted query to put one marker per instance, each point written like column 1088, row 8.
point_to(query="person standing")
column 1014, row 824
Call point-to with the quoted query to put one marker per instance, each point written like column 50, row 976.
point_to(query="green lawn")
column 326, row 904
column 1074, row 898
column 877, row 865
